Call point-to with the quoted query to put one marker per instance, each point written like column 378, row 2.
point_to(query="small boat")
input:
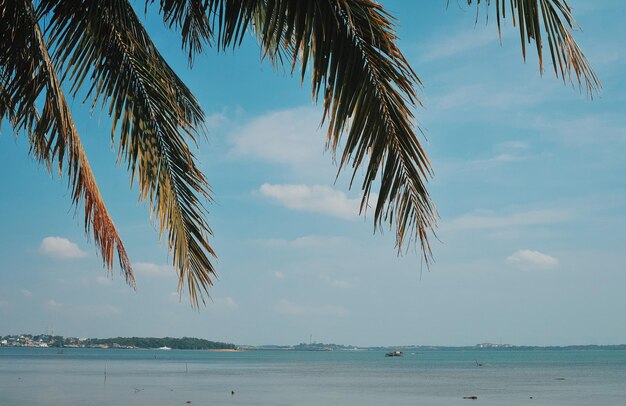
column 394, row 354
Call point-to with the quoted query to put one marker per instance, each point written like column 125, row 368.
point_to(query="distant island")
column 190, row 343
column 47, row 340
column 420, row 348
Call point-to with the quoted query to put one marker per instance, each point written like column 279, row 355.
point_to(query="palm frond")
column 191, row 17
column 26, row 75
column 155, row 115
column 368, row 91
column 228, row 19
column 552, row 18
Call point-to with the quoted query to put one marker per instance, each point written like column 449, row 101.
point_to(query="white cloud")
column 52, row 305
column 82, row 311
column 326, row 310
column 215, row 121
column 513, row 145
column 498, row 159
column 531, row 260
column 214, row 304
column 288, row 137
column 493, row 221
column 506, row 153
column 339, row 283
column 585, row 129
column 103, row 280
column 307, row 241
column 26, row 293
column 175, row 297
column 226, row 303
column 150, row 269
column 609, row 55
column 457, row 43
column 279, row 275
column 59, row 247
column 487, row 98
column 458, row 97
column 4, row 305
column 316, row 199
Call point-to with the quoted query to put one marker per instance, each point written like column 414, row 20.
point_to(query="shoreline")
column 225, row 350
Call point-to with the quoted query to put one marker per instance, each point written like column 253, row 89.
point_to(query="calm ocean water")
column 38, row 376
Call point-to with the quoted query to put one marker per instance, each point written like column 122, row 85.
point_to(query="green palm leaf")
column 552, row 19
column 368, row 92
column 192, row 19
column 368, row 87
column 153, row 112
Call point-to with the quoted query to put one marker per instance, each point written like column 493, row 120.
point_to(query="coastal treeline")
column 47, row 340
column 185, row 343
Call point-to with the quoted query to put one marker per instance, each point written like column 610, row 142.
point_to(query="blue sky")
column 529, row 184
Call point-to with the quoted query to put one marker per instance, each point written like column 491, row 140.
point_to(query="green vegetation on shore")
column 47, row 340
column 185, row 343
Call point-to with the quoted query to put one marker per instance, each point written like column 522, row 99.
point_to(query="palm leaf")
column 368, row 87
column 154, row 114
column 552, row 18
column 368, row 92
column 191, row 17
column 28, row 75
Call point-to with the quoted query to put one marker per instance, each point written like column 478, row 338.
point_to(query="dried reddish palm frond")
column 28, row 80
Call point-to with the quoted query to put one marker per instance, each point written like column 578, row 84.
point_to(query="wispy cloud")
column 289, row 137
column 326, row 310
column 457, row 43
column 513, row 145
column 103, row 280
column 498, row 159
column 586, row 129
column 4, row 305
column 226, row 303
column 532, row 260
column 486, row 99
column 215, row 120
column 82, row 311
column 506, row 152
column 59, row 247
column 214, row 304
column 307, row 241
column 26, row 293
column 316, row 199
column 52, row 305
column 339, row 283
column 520, row 219
column 154, row 270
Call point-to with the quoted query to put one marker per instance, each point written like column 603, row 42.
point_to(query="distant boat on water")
column 164, row 348
column 394, row 354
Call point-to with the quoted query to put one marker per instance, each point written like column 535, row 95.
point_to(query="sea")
column 96, row 377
